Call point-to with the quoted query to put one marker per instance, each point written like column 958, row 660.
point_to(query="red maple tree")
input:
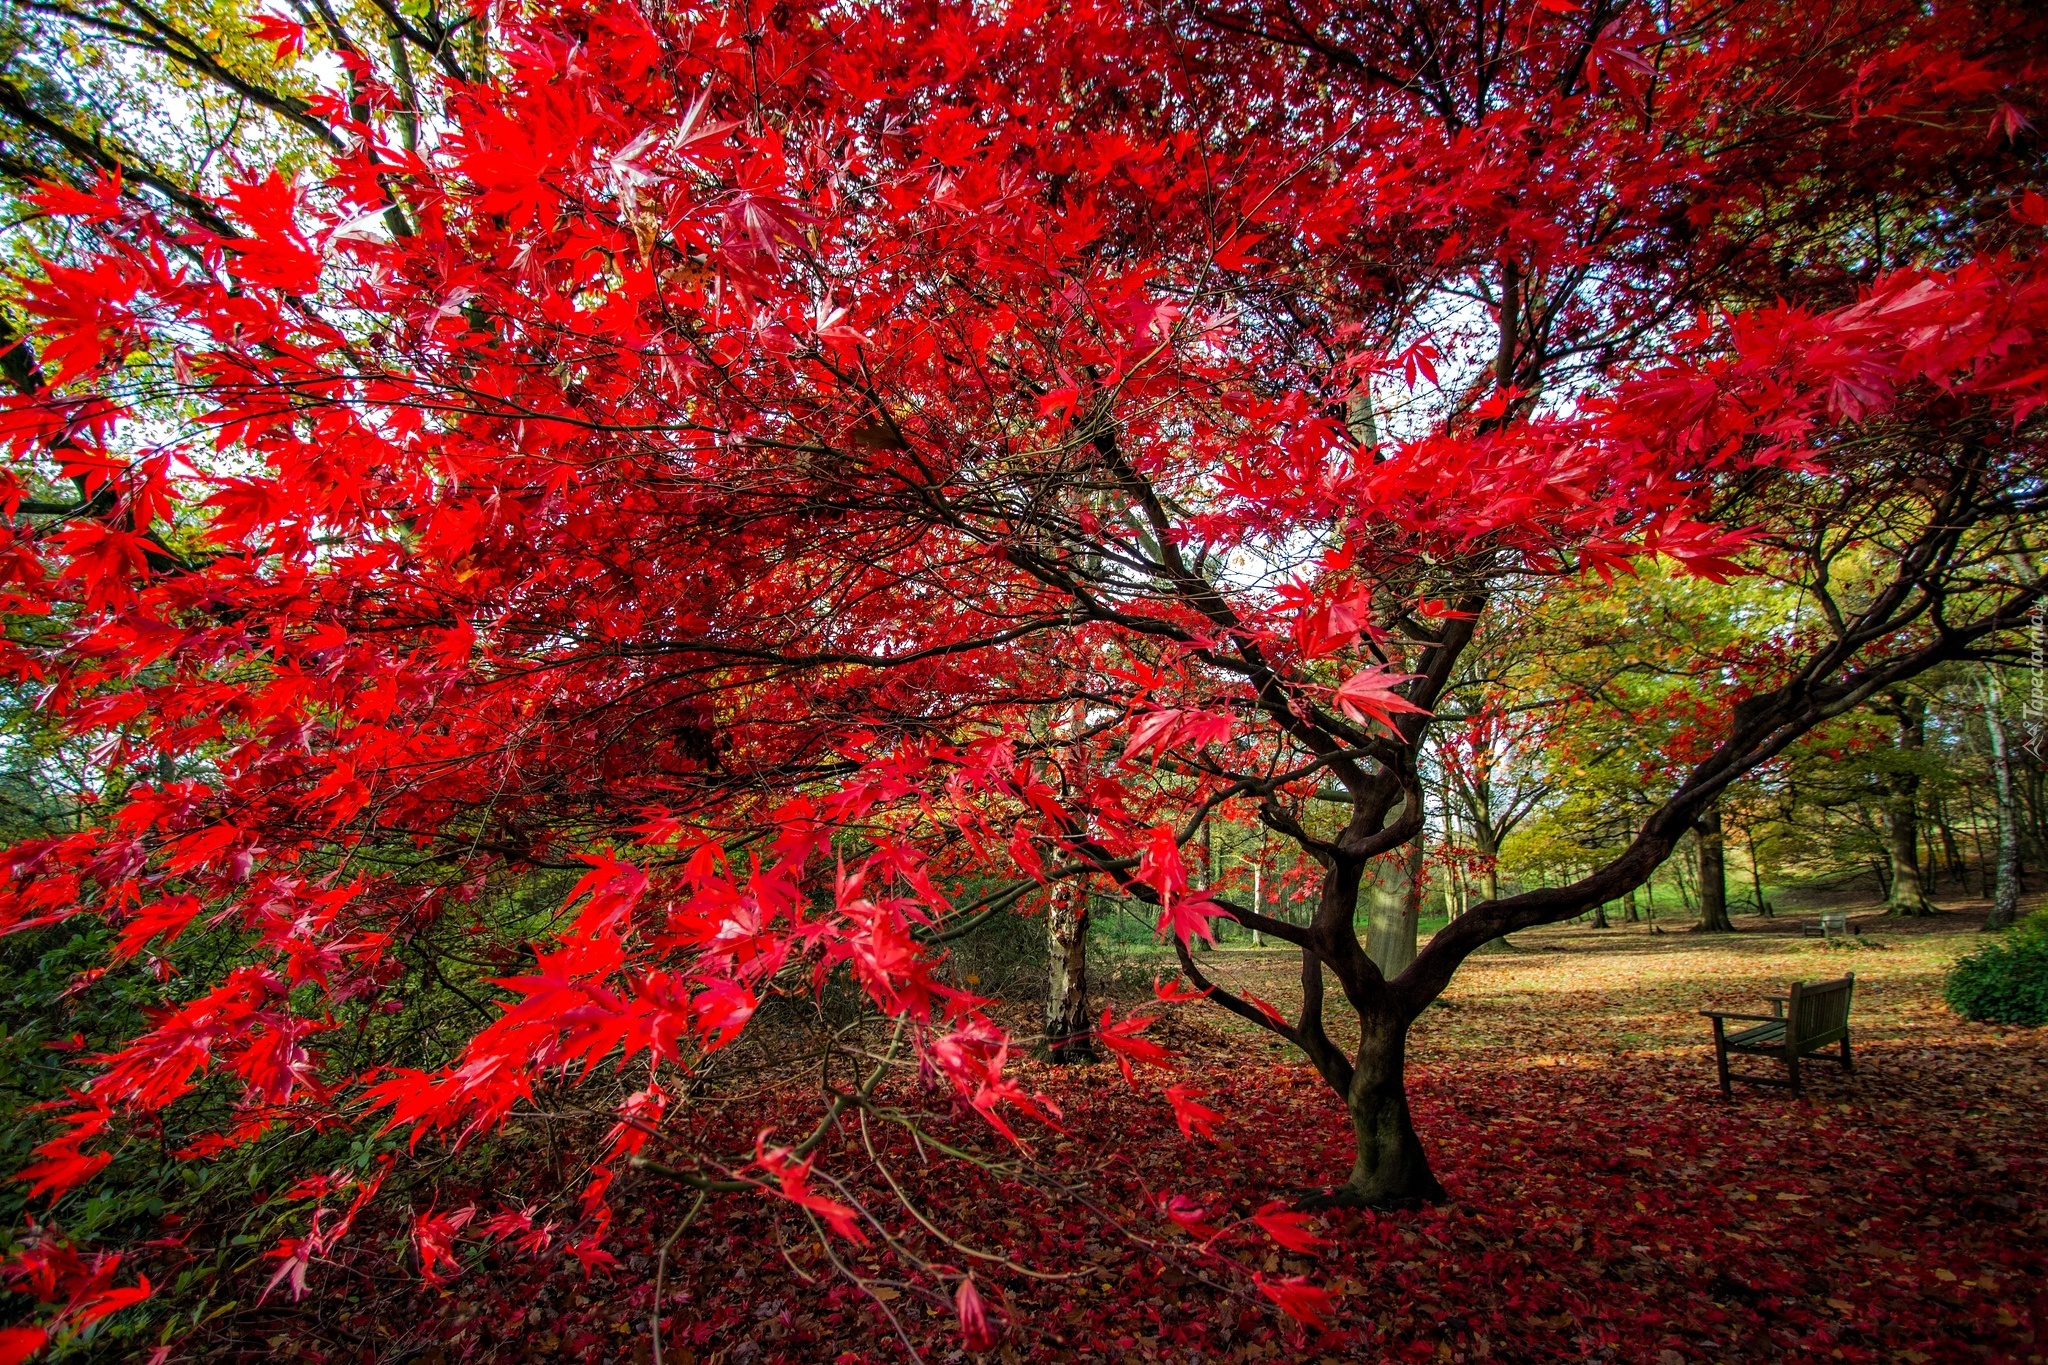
column 782, row 462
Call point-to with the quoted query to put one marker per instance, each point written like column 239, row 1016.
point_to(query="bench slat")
column 1773, row 1034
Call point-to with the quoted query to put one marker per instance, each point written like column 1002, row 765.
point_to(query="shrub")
column 2005, row 982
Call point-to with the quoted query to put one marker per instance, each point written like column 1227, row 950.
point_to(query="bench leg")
column 1792, row 1065
column 1847, row 1065
column 1721, row 1060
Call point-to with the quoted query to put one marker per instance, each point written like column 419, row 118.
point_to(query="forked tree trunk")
column 1713, row 872
column 1067, row 1034
column 1390, row 1168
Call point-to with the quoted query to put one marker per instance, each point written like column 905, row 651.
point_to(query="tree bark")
column 1394, row 910
column 2005, row 894
column 1488, row 844
column 1067, row 1033
column 1389, row 1169
column 1600, row 915
column 1908, row 895
column 1951, row 851
column 1713, row 851
column 1756, row 875
column 1628, row 907
column 1685, row 870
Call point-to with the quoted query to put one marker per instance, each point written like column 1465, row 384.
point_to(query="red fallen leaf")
column 1299, row 1299
column 977, row 1333
column 591, row 1255
column 1288, row 1228
column 1192, row 1116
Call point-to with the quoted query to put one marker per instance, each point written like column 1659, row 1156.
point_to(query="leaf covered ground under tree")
column 1606, row 1203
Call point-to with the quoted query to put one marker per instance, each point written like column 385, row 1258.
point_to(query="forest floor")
column 1605, row 1202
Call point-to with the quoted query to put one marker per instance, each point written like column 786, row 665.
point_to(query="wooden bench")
column 1811, row 1018
column 1829, row 925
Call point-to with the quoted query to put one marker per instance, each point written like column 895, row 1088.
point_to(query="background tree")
column 2005, row 895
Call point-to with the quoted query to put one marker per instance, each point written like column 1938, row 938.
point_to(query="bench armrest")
column 1753, row 1018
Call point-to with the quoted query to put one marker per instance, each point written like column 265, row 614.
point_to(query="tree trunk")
column 1685, row 871
column 1628, row 906
column 1713, row 872
column 1390, row 1168
column 1600, row 915
column 1756, row 876
column 2036, row 799
column 1489, row 846
column 2005, row 895
column 1977, row 844
column 1951, row 852
column 1908, row 895
column 1067, row 1034
column 1394, row 909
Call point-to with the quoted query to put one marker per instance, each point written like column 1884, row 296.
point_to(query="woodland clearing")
column 1605, row 1203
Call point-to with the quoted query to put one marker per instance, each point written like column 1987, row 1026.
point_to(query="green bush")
column 2005, row 982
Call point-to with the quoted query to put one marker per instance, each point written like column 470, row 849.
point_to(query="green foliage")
column 2005, row 982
